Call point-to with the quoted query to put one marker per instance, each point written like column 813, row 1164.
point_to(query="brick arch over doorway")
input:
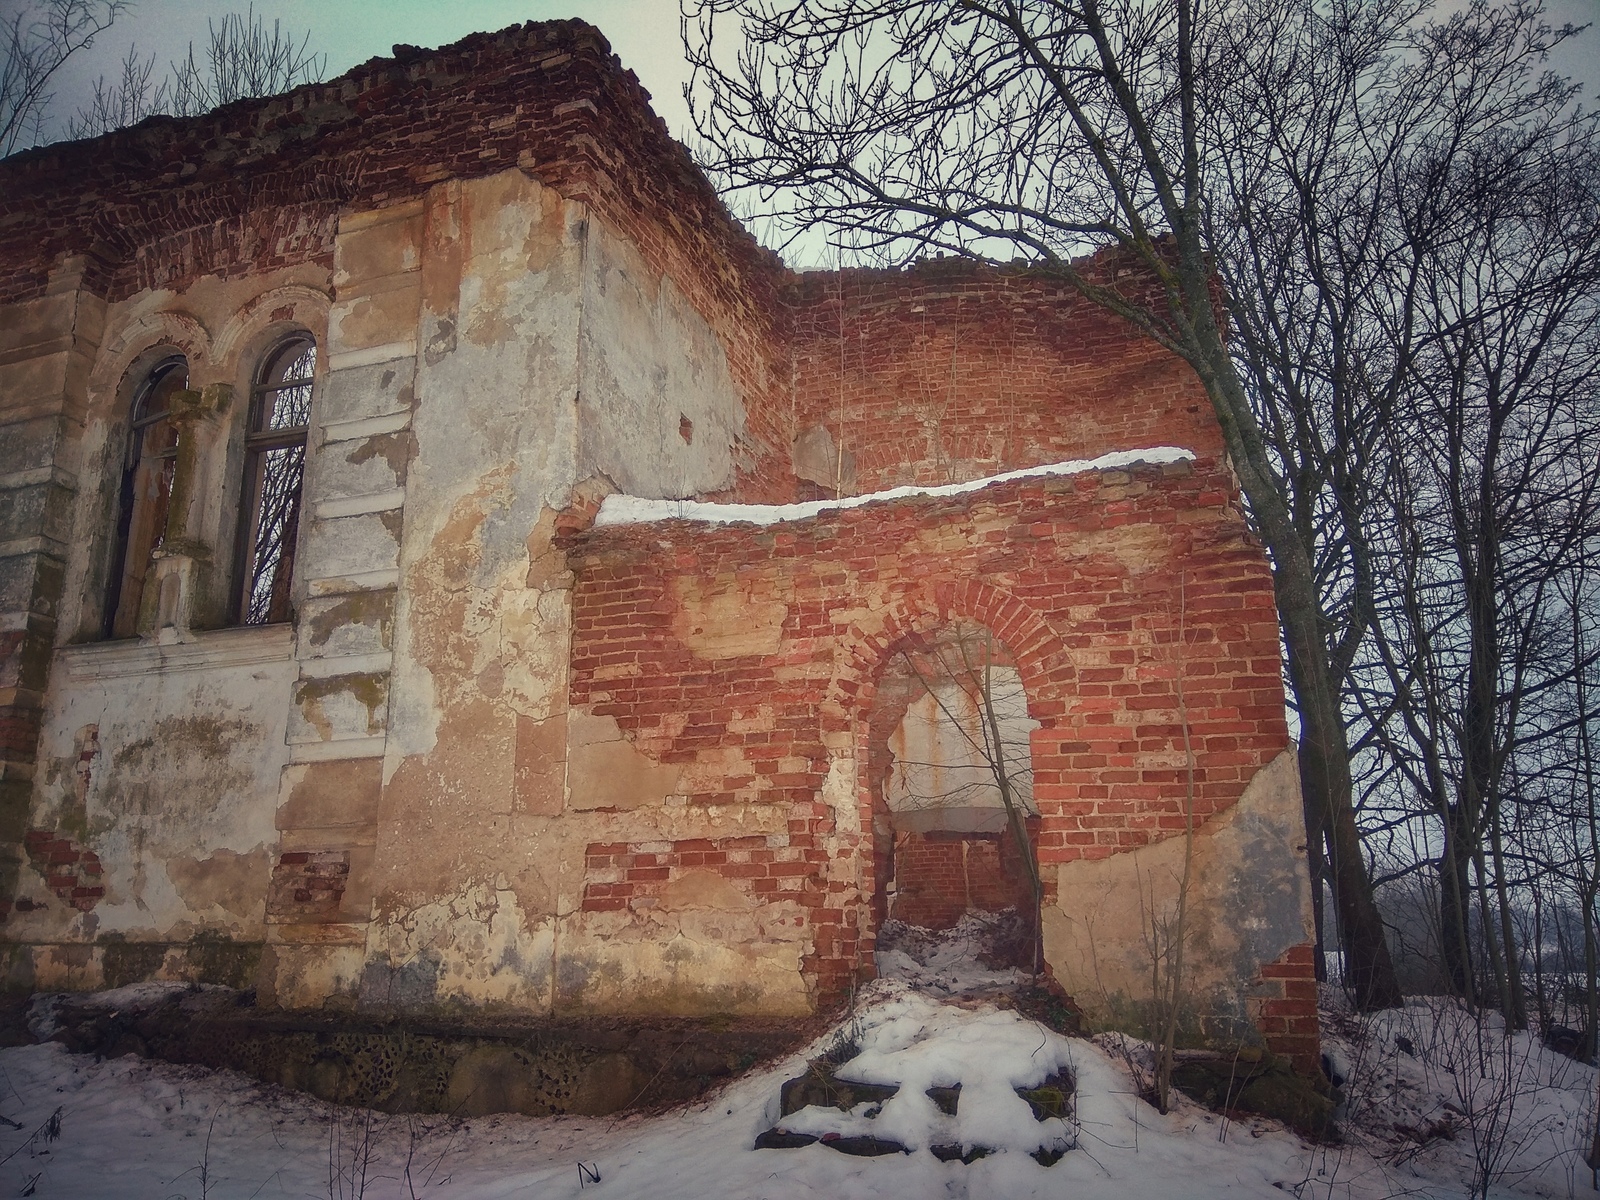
column 911, row 621
column 729, row 666
column 1043, row 659
column 949, row 847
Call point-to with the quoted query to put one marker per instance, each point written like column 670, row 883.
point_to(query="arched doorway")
column 950, row 775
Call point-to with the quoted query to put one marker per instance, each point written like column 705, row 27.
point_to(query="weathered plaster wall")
column 346, row 582
column 152, row 822
column 47, row 345
column 480, row 623
column 1249, row 903
column 659, row 413
column 67, row 380
column 582, row 363
column 941, row 749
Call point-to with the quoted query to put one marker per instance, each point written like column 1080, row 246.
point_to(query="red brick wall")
column 71, row 871
column 1286, row 1002
column 764, row 867
column 949, row 371
column 547, row 96
column 938, row 877
column 1095, row 637
column 308, row 887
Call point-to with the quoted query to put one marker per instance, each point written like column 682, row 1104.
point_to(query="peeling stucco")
column 1249, row 901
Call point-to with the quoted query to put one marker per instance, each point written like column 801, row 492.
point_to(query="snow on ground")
column 917, row 1044
column 635, row 510
column 950, row 963
column 140, row 1130
column 1440, row 1098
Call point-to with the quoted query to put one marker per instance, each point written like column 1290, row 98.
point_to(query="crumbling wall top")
column 548, row 97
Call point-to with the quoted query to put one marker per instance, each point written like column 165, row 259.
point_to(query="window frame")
column 260, row 441
column 129, row 502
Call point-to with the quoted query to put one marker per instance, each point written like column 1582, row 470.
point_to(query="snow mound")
column 1446, row 1100
column 954, row 961
column 637, row 510
column 44, row 1011
column 915, row 1043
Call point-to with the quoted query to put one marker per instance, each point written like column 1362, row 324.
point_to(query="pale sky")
column 643, row 33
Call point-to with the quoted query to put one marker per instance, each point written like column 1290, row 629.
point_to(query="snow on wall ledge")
column 636, row 510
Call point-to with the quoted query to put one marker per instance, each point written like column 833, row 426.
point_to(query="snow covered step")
column 912, row 1075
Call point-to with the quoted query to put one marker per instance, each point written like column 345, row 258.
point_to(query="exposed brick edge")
column 1284, row 997
column 308, row 887
column 767, row 867
column 71, row 871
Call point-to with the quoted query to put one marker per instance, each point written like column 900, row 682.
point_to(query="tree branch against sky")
column 241, row 57
column 1041, row 128
column 36, row 42
column 1309, row 158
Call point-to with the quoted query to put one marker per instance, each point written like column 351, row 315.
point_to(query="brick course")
column 1285, row 998
column 939, row 877
column 1095, row 639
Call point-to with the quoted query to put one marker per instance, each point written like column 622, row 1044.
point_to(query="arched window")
column 275, row 455
column 147, row 474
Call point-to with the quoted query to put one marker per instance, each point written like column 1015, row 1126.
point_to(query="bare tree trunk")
column 1541, row 997
column 1590, row 871
column 1324, row 750
column 1516, row 1011
column 1016, row 819
column 1491, row 936
column 1317, row 868
column 1455, row 892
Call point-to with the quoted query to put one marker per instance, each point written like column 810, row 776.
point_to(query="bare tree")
column 1400, row 210
column 35, row 42
column 242, row 58
column 1440, row 273
column 1043, row 127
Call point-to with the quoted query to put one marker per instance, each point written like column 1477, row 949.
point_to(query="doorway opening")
column 955, row 828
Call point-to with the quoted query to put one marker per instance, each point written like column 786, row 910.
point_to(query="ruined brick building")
column 336, row 662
